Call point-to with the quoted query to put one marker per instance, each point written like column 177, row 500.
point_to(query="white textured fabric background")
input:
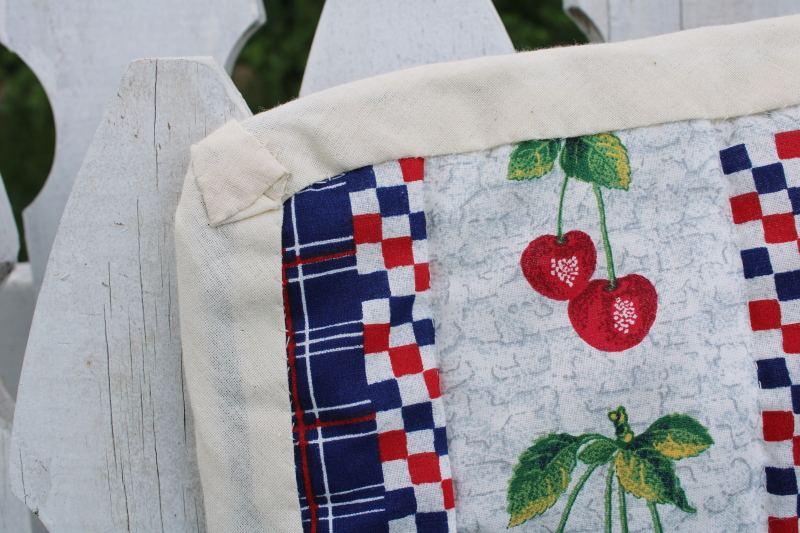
column 513, row 369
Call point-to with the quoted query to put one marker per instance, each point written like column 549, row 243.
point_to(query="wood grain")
column 79, row 49
column 356, row 40
column 103, row 437
column 620, row 20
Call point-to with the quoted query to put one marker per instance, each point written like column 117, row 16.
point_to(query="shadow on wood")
column 9, row 241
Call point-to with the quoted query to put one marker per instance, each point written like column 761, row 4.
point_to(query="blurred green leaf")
column 27, row 135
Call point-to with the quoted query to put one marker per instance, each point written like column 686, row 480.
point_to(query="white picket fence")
column 103, row 437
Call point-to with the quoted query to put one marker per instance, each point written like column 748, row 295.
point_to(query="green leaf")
column 646, row 473
column 676, row 436
column 598, row 452
column 542, row 475
column 533, row 159
column 600, row 159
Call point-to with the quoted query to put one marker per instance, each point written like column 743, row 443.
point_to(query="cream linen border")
column 230, row 274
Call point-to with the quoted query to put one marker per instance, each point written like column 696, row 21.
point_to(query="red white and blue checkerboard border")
column 369, row 427
column 764, row 190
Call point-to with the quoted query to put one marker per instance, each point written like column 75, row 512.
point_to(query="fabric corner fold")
column 236, row 173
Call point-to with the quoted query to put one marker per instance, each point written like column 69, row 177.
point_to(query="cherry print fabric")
column 539, row 340
column 516, row 367
column 627, row 401
column 541, row 345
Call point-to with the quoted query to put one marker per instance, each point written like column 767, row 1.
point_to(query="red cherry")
column 559, row 270
column 618, row 319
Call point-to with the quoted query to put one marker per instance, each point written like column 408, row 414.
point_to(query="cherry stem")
column 561, row 210
column 623, row 508
column 657, row 527
column 608, row 502
column 572, row 497
column 612, row 278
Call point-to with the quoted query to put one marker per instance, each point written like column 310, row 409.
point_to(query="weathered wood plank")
column 80, row 48
column 9, row 239
column 14, row 516
column 17, row 301
column 697, row 13
column 591, row 16
column 634, row 19
column 103, row 438
column 620, row 20
column 356, row 40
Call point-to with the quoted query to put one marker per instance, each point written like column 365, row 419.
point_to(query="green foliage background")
column 268, row 73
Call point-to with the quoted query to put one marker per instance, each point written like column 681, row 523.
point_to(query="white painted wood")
column 9, row 239
column 636, row 19
column 357, row 39
column 17, row 301
column 591, row 16
column 620, row 20
column 697, row 13
column 14, row 516
column 80, row 48
column 103, row 439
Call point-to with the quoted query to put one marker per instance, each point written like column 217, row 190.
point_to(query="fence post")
column 9, row 240
column 103, row 437
column 80, row 48
column 356, row 39
column 14, row 517
column 620, row 20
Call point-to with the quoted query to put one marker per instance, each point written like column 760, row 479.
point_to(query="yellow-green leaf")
column 542, row 475
column 676, row 436
column 600, row 159
column 646, row 473
column 533, row 159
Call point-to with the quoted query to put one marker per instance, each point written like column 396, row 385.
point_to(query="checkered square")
column 784, row 257
column 788, row 144
column 769, row 178
column 755, row 262
column 781, row 481
column 779, row 228
column 791, row 338
column 735, row 159
column 399, row 330
column 764, row 184
column 765, row 314
column 746, row 208
column 369, row 435
column 772, row 373
column 787, row 285
column 782, row 525
column 776, row 203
